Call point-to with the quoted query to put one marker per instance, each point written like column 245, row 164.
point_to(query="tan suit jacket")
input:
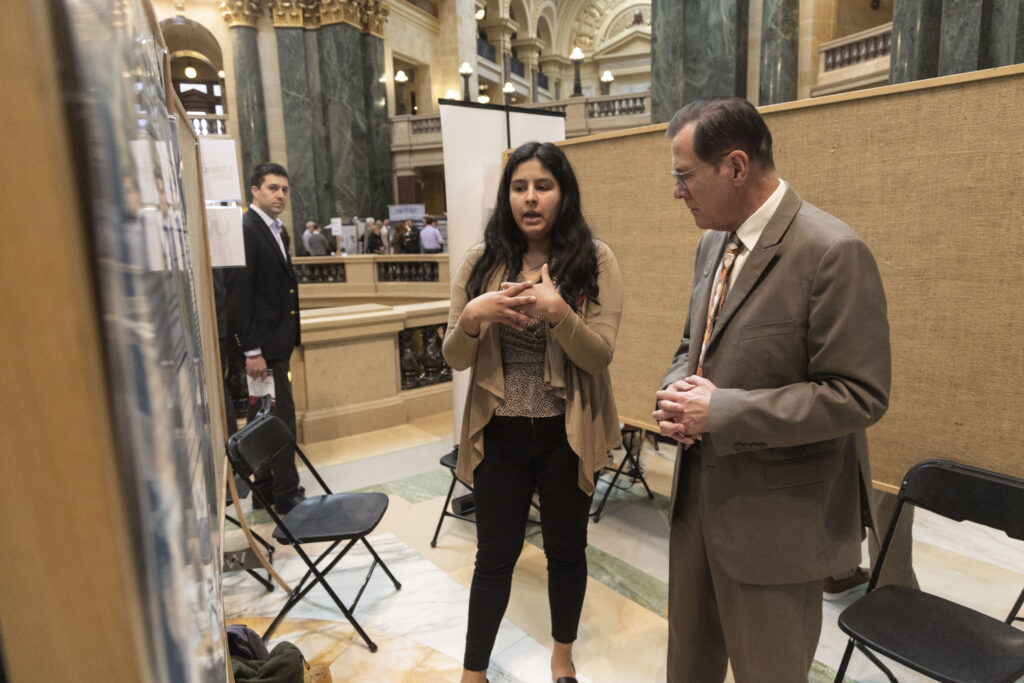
column 800, row 356
column 578, row 352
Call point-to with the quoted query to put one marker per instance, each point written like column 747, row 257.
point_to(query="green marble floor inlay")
column 416, row 488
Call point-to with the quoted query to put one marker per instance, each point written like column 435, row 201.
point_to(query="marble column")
column 345, row 118
column 321, row 148
column 298, row 125
column 249, row 108
column 714, row 48
column 378, row 138
column 915, row 40
column 667, row 73
column 780, row 39
column 1018, row 48
column 960, row 38
column 1000, row 21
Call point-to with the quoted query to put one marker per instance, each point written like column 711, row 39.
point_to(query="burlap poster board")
column 931, row 175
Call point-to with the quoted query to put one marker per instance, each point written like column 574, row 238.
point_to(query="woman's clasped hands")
column 504, row 306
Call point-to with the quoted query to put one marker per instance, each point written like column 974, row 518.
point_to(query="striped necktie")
column 732, row 249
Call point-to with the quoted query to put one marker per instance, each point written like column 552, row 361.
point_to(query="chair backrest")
column 962, row 492
column 254, row 444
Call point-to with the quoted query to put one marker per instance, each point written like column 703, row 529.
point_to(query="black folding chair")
column 333, row 518
column 931, row 635
column 629, row 469
column 450, row 460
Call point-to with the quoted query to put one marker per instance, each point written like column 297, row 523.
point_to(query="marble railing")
column 208, row 125
column 859, row 60
column 326, row 281
column 416, row 140
column 425, row 124
column 369, row 366
column 588, row 115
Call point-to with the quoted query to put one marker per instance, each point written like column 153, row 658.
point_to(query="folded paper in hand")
column 259, row 388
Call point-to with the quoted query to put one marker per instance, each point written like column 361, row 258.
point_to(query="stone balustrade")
column 328, row 281
column 369, row 366
column 859, row 60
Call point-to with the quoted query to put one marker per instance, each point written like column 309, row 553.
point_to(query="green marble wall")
column 698, row 48
column 780, row 40
column 299, row 113
column 251, row 112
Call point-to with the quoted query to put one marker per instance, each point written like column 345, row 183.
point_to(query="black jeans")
column 523, row 454
column 280, row 481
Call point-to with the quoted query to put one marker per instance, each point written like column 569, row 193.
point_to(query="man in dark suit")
column 783, row 364
column 266, row 316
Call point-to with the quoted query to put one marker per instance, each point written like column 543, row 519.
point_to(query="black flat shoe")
column 566, row 679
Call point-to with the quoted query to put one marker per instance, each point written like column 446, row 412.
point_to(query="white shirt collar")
column 272, row 223
column 750, row 230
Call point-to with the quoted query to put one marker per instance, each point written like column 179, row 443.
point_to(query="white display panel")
column 473, row 139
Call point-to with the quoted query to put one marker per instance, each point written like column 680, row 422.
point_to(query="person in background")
column 385, row 235
column 411, row 240
column 535, row 310
column 376, row 245
column 431, row 241
column 265, row 316
column 398, row 239
column 318, row 244
column 306, row 234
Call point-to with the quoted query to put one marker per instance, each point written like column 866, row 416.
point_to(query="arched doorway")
column 197, row 74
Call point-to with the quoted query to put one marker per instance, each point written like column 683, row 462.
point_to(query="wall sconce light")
column 480, row 14
column 220, row 74
column 465, row 71
column 509, row 88
column 483, row 99
column 606, row 82
column 190, row 72
column 400, row 77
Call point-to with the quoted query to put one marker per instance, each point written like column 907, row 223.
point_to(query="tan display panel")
column 930, row 175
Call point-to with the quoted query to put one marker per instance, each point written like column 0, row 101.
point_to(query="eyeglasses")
column 681, row 176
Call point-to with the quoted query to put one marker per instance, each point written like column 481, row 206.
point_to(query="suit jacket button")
column 291, row 291
column 293, row 312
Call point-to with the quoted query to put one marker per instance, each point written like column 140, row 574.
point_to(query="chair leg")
column 1016, row 609
column 376, row 557
column 444, row 509
column 877, row 662
column 321, row 579
column 611, row 485
column 841, row 671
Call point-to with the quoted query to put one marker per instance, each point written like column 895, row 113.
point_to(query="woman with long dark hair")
column 535, row 309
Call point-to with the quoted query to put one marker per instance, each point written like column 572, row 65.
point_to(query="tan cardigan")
column 579, row 350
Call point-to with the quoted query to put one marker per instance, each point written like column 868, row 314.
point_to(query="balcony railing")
column 326, row 281
column 207, row 125
column 485, row 49
column 542, row 81
column 627, row 105
column 425, row 124
column 517, row 67
column 860, row 60
column 857, row 48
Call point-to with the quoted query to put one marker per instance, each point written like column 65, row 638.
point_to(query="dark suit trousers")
column 281, row 482
column 768, row 633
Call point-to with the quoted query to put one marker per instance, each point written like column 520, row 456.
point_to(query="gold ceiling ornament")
column 295, row 13
column 341, row 12
column 375, row 15
column 240, row 12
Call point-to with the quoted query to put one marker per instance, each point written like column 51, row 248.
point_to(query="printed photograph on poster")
column 224, row 227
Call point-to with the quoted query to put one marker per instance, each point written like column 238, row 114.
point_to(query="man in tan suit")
column 769, row 401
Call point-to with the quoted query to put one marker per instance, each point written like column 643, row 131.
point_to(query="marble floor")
column 420, row 629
